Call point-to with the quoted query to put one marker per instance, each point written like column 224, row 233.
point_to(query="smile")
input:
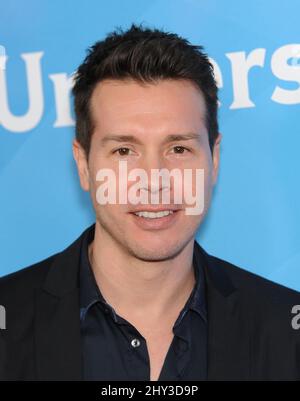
column 153, row 215
column 150, row 220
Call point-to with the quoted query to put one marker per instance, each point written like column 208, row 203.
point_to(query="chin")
column 157, row 250
column 154, row 256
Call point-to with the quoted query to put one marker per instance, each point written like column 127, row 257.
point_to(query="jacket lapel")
column 58, row 337
column 57, row 323
column 228, row 333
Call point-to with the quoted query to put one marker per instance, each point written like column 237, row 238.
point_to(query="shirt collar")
column 91, row 294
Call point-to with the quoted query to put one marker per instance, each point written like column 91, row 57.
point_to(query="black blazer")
column 250, row 336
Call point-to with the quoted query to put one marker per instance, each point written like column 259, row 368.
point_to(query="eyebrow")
column 168, row 139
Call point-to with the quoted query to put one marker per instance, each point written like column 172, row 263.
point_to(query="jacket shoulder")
column 249, row 282
column 23, row 282
column 20, row 285
column 268, row 306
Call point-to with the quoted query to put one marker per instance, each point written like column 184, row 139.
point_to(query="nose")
column 153, row 165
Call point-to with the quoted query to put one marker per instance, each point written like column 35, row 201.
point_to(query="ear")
column 216, row 158
column 82, row 165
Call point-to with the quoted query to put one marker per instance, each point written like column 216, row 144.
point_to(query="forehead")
column 164, row 106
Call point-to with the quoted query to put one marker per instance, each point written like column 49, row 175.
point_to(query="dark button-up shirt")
column 113, row 349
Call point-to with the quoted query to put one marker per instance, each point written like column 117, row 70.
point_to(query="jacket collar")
column 57, row 323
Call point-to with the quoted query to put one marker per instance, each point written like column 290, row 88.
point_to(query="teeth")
column 154, row 215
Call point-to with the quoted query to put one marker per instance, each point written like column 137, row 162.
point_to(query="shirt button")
column 135, row 343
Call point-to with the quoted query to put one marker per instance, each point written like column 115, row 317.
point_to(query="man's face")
column 148, row 115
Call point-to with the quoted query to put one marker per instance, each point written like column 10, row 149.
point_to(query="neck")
column 144, row 288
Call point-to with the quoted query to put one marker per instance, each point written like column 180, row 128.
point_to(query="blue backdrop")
column 255, row 46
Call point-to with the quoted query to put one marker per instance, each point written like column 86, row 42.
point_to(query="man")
column 135, row 297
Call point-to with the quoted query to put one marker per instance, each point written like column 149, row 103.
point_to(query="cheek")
column 201, row 174
column 111, row 216
column 197, row 191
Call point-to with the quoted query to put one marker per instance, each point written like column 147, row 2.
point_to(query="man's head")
column 148, row 98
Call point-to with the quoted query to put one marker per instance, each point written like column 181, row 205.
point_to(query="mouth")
column 150, row 220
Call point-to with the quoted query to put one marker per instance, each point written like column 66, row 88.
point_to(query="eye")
column 122, row 151
column 180, row 149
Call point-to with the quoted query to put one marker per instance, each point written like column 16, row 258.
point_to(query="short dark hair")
column 145, row 55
